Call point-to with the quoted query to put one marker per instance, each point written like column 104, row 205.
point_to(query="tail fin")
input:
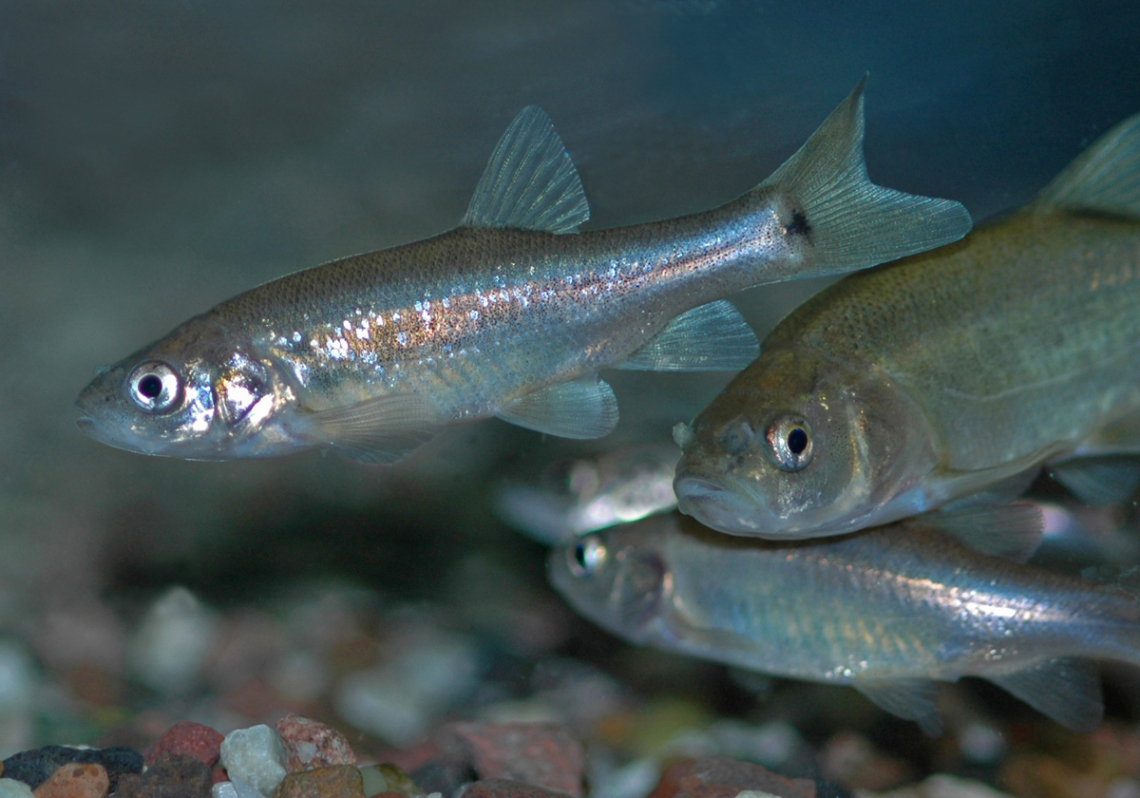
column 854, row 223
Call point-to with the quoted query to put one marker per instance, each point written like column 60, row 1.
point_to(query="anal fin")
column 712, row 337
column 1067, row 690
column 379, row 431
column 911, row 699
column 582, row 409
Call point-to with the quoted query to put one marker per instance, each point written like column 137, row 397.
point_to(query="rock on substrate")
column 505, row 788
column 36, row 766
column 10, row 788
column 340, row 781
column 311, row 744
column 256, row 756
column 75, row 780
column 188, row 739
column 170, row 776
column 717, row 777
column 543, row 755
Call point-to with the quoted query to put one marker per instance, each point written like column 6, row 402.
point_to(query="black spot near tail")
column 799, row 225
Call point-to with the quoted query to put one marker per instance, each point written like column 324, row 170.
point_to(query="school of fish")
column 861, row 464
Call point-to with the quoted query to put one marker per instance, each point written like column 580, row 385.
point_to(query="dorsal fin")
column 1105, row 177
column 530, row 183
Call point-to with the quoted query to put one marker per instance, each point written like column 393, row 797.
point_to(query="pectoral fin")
column 912, row 699
column 1067, row 690
column 1012, row 531
column 530, row 183
column 379, row 431
column 585, row 408
column 1099, row 481
column 712, row 337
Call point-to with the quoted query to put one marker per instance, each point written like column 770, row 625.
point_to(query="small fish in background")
column 512, row 314
column 587, row 494
column 962, row 370
column 889, row 611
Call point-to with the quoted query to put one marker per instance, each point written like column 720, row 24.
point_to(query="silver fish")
column 889, row 611
column 512, row 314
column 593, row 493
column 910, row 386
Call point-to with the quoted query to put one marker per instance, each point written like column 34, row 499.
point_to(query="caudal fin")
column 851, row 222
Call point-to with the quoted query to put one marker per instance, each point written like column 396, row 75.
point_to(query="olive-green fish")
column 511, row 315
column 909, row 386
column 889, row 611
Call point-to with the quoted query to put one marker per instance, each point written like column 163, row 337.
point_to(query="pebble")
column 311, row 744
column 10, row 788
column 188, row 739
column 716, row 777
column 34, row 767
column 505, row 788
column 256, row 756
column 170, row 776
column 75, row 780
column 169, row 649
column 235, row 788
column 542, row 755
column 388, row 778
column 340, row 781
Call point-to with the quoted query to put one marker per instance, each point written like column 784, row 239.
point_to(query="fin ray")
column 582, row 409
column 379, row 431
column 1012, row 531
column 911, row 699
column 853, row 222
column 529, row 183
column 712, row 337
column 1067, row 690
column 1105, row 177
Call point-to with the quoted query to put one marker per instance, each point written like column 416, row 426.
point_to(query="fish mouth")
column 723, row 507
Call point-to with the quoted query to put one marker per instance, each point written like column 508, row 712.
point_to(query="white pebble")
column 170, row 646
column 10, row 788
column 235, row 788
column 255, row 755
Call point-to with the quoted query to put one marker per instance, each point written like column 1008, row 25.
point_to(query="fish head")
column 199, row 394
column 800, row 445
column 618, row 578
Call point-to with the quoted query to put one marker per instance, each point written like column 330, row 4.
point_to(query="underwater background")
column 159, row 157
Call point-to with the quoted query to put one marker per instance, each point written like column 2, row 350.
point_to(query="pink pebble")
column 311, row 744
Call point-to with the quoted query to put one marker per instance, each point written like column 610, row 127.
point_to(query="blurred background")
column 158, row 157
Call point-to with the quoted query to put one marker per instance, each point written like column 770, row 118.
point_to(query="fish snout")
column 719, row 505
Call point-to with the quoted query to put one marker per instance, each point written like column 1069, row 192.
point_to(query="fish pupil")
column 797, row 441
column 580, row 555
column 150, row 386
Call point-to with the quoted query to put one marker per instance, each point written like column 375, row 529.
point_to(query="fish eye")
column 789, row 442
column 585, row 557
column 154, row 386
